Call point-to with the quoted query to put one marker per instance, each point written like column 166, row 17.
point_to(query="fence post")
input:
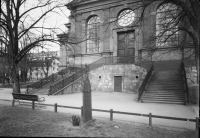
column 111, row 114
column 82, row 111
column 150, row 119
column 33, row 104
column 55, row 107
column 197, row 125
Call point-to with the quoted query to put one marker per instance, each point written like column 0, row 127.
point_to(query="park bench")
column 17, row 97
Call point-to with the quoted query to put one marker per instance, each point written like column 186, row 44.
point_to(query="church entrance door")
column 126, row 44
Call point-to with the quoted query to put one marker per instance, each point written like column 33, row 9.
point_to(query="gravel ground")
column 20, row 121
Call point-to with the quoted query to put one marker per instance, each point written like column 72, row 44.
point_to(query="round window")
column 126, row 18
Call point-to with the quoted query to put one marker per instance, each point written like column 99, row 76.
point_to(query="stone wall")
column 77, row 86
column 191, row 73
column 102, row 79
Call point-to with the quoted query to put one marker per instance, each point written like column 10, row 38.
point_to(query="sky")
column 53, row 19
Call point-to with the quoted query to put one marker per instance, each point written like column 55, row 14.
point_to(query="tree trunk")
column 15, row 80
column 24, row 75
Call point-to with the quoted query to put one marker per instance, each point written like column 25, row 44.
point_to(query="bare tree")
column 45, row 65
column 15, row 14
column 181, row 16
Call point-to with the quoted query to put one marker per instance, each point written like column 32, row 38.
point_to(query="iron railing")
column 46, row 81
column 186, row 90
column 60, row 85
column 145, row 81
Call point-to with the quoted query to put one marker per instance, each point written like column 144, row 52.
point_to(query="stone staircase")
column 44, row 90
column 166, row 84
column 57, row 88
column 37, row 88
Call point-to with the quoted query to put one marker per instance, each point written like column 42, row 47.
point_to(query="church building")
column 124, row 42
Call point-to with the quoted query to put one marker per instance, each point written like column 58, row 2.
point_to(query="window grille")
column 126, row 18
column 93, row 31
column 166, row 25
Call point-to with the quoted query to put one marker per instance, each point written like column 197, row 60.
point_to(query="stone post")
column 87, row 98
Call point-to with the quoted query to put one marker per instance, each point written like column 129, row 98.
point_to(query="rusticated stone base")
column 102, row 79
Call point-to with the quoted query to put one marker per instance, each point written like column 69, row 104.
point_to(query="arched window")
column 93, row 29
column 166, row 25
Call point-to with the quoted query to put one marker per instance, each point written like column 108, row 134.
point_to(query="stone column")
column 87, row 98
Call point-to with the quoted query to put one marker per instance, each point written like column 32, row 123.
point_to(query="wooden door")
column 126, row 44
column 118, row 83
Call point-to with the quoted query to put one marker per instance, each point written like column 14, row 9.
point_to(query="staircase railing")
column 45, row 81
column 56, row 88
column 60, row 85
column 145, row 81
column 186, row 90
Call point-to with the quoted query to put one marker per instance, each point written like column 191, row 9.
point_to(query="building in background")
column 42, row 64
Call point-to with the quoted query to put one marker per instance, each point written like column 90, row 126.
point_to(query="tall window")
column 166, row 25
column 93, row 31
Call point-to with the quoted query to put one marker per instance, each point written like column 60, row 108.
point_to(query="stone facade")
column 102, row 79
column 108, row 13
column 109, row 42
column 191, row 73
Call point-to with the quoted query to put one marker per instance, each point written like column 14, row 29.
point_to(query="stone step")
column 176, row 90
column 167, row 75
column 163, row 89
column 164, row 69
column 164, row 92
column 167, row 63
column 164, row 95
column 165, row 86
column 158, row 88
column 172, row 91
column 166, row 79
column 168, row 84
column 162, row 75
column 163, row 99
column 165, row 82
column 164, row 102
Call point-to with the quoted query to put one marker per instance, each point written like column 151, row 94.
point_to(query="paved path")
column 126, row 102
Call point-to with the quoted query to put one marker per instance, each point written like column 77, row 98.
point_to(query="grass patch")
column 19, row 121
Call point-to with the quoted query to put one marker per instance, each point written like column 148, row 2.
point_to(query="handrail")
column 186, row 90
column 145, row 81
column 99, row 63
column 45, row 81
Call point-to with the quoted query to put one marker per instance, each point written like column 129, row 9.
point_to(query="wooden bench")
column 17, row 97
